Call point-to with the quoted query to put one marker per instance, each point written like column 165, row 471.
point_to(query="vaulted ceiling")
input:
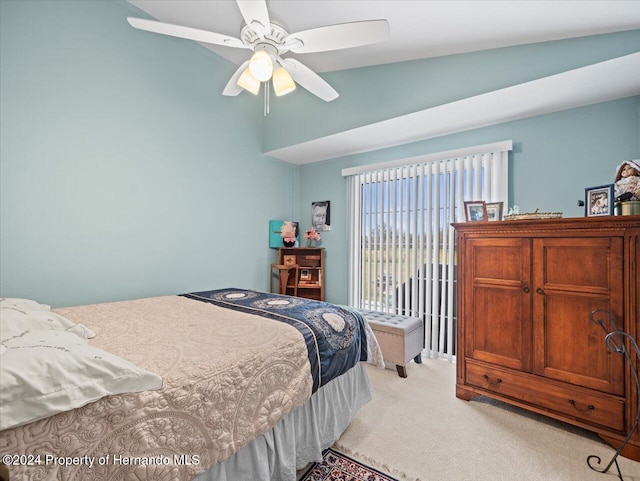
column 424, row 29
column 418, row 28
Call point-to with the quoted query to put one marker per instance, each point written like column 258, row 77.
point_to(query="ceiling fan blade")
column 336, row 37
column 308, row 79
column 185, row 32
column 255, row 15
column 232, row 88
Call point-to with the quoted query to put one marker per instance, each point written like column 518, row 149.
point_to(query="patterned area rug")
column 336, row 466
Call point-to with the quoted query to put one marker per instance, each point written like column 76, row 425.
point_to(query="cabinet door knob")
column 526, row 289
column 490, row 383
column 539, row 290
column 590, row 407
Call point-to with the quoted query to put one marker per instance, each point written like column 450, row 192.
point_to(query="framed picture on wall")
column 275, row 240
column 598, row 200
column 275, row 231
column 494, row 210
column 321, row 215
column 475, row 210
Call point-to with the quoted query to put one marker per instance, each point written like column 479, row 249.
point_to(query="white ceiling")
column 426, row 28
column 419, row 28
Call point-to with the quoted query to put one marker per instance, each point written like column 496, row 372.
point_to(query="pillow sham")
column 20, row 319
column 48, row 371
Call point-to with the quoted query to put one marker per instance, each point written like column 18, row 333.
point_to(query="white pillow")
column 21, row 319
column 24, row 303
column 47, row 372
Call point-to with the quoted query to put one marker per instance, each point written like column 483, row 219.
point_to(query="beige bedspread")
column 228, row 378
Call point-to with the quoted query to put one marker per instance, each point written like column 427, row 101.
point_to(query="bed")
column 233, row 385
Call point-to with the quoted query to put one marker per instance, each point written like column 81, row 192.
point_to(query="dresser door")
column 498, row 301
column 573, row 277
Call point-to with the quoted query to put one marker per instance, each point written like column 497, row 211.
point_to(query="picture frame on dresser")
column 494, row 211
column 475, row 210
column 598, row 200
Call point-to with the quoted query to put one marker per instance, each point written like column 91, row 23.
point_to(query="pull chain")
column 266, row 97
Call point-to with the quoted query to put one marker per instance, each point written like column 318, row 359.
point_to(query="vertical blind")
column 402, row 246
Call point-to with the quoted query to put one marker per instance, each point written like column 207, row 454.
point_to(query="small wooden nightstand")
column 307, row 265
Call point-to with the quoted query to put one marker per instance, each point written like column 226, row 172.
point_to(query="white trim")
column 504, row 146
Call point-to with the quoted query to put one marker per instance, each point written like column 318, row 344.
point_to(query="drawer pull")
column 497, row 383
column 590, row 407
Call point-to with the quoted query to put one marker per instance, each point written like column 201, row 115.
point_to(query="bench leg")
column 418, row 359
column 402, row 370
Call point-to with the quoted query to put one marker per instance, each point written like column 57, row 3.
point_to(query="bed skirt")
column 300, row 437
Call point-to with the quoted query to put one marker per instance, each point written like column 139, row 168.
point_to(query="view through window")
column 403, row 252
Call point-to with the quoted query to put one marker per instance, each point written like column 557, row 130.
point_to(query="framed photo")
column 305, row 275
column 321, row 215
column 494, row 210
column 475, row 210
column 598, row 200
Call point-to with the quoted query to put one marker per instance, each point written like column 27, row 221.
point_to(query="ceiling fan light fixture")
column 269, row 41
column 282, row 82
column 261, row 66
column 249, row 82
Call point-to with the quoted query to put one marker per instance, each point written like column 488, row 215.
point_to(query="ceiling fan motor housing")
column 275, row 39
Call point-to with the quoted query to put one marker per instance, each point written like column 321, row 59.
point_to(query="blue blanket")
column 335, row 336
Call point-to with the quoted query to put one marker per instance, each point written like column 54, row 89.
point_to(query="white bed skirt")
column 300, row 437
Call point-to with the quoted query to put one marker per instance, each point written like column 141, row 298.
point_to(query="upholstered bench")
column 400, row 337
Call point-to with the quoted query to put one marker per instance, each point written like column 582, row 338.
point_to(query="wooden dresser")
column 526, row 290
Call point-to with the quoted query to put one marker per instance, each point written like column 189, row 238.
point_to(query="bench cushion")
column 401, row 338
column 393, row 323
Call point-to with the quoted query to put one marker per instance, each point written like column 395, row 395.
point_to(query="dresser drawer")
column 577, row 403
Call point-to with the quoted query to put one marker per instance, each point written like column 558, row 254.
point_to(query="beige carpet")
column 416, row 429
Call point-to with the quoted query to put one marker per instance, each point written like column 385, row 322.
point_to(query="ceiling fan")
column 270, row 41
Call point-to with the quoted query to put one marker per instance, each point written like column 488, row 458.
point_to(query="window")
column 402, row 245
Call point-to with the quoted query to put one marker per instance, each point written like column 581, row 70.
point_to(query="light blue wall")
column 124, row 172
column 555, row 156
column 373, row 94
